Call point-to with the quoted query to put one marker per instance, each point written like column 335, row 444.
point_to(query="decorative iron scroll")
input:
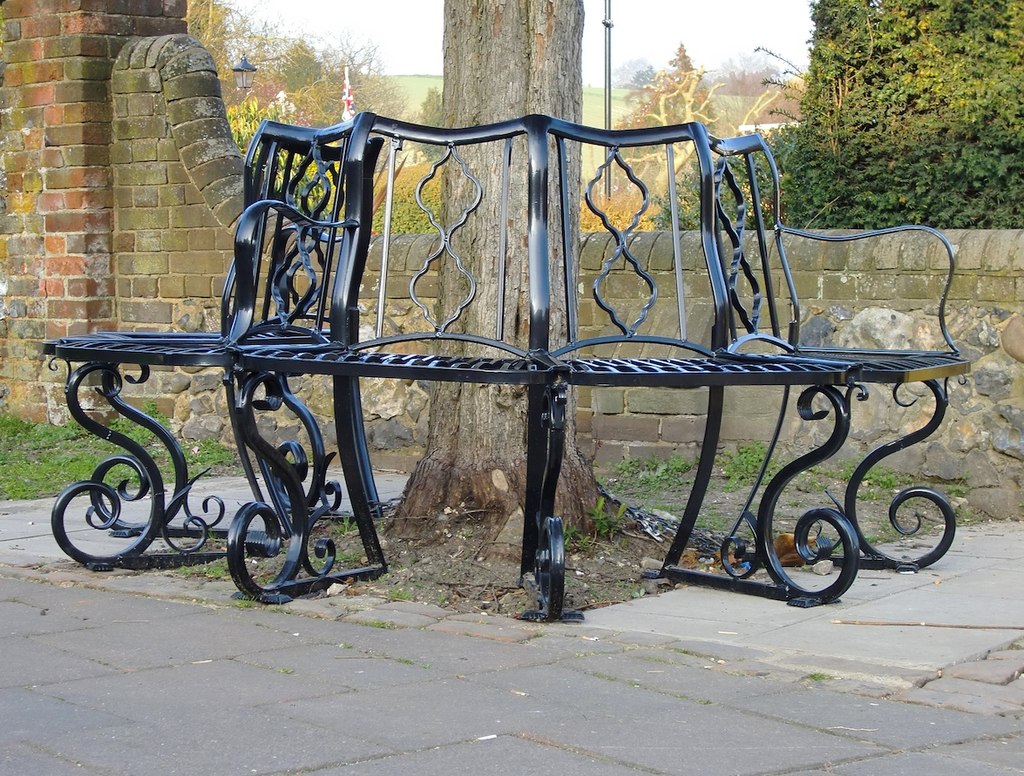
column 114, row 537
column 621, row 251
column 734, row 230
column 905, row 520
column 314, row 187
column 302, row 253
column 286, row 547
column 546, row 580
column 445, row 245
column 845, row 551
column 819, row 534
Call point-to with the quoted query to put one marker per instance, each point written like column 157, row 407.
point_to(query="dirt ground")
column 450, row 570
column 606, row 566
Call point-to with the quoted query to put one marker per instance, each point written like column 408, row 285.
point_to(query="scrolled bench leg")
column 256, row 539
column 547, row 580
column 117, row 538
column 809, row 538
column 545, row 544
column 705, row 466
column 738, row 554
column 287, row 547
column 356, row 464
column 819, row 534
column 906, row 514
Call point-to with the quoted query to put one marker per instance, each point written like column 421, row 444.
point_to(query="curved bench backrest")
column 463, row 191
column 498, row 208
column 289, row 234
column 634, row 185
column 763, row 299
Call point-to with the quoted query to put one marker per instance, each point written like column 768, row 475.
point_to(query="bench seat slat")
column 184, row 349
column 702, row 372
column 159, row 350
column 336, row 360
column 893, row 366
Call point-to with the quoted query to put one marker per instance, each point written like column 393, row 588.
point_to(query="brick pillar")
column 56, row 274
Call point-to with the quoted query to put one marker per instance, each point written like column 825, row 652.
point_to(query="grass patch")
column 343, row 526
column 958, row 489
column 217, row 569
column 578, row 541
column 818, row 677
column 382, row 624
column 647, row 474
column 39, row 459
column 607, row 522
column 742, row 466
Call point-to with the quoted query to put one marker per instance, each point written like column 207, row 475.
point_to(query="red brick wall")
column 56, row 273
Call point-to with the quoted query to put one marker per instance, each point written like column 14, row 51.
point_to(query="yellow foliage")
column 620, row 211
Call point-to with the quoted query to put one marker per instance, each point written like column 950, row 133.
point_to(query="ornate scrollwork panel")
column 114, row 517
column 621, row 255
column 919, row 517
column 819, row 534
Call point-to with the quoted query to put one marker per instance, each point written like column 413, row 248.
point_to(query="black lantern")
column 244, row 72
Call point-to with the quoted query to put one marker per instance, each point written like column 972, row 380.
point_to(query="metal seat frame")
column 754, row 241
column 295, row 298
column 286, row 243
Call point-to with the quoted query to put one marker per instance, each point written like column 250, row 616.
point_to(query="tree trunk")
column 503, row 59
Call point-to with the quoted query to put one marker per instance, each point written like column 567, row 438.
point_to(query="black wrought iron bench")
column 765, row 310
column 462, row 323
column 302, row 282
column 128, row 514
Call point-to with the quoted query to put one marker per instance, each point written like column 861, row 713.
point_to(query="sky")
column 408, row 33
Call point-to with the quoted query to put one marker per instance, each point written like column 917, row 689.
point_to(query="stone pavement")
column 155, row 673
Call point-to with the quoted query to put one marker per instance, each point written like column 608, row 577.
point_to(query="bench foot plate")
column 274, row 599
column 568, row 615
column 166, row 560
column 724, row 582
column 806, row 602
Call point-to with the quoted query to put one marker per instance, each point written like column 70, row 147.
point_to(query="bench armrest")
column 947, row 248
column 238, row 305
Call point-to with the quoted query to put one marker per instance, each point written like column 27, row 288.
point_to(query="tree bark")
column 503, row 59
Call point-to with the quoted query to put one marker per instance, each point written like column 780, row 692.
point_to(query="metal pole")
column 608, row 85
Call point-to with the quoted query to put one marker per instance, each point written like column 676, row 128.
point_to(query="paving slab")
column 986, row 671
column 910, row 764
column 26, row 760
column 29, row 663
column 254, row 740
column 1012, row 693
column 883, row 722
column 1007, row 753
column 489, row 756
column 987, row 704
column 963, row 590
column 30, row 715
column 157, row 673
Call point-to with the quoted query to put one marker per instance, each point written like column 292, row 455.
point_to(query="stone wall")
column 57, row 259
column 882, row 293
column 177, row 185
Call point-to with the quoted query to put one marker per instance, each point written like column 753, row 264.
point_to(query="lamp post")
column 245, row 73
column 608, row 85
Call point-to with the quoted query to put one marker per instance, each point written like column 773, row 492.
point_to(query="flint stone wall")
column 884, row 296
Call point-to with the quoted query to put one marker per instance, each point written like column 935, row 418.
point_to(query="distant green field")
column 417, row 86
